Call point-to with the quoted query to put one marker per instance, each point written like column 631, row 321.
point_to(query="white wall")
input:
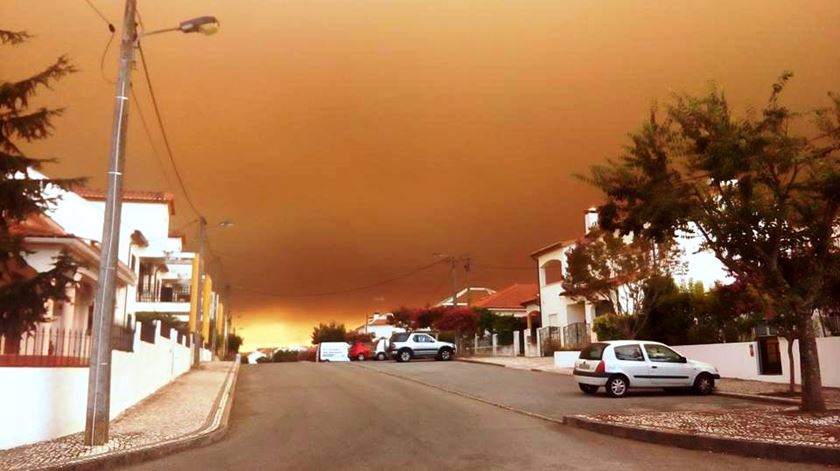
column 734, row 360
column 46, row 403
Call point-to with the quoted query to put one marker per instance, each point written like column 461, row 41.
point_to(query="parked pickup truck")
column 406, row 346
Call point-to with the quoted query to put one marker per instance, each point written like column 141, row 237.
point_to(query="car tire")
column 380, row 356
column 704, row 384
column 404, row 356
column 445, row 354
column 588, row 388
column 617, row 386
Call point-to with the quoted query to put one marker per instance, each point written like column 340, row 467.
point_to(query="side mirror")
column 683, row 360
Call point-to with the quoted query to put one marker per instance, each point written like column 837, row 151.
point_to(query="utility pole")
column 199, row 310
column 98, row 414
column 467, row 278
column 452, row 261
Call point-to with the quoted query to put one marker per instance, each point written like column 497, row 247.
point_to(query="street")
column 350, row 416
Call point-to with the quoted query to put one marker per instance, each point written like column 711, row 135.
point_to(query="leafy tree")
column 604, row 266
column 23, row 296
column 427, row 317
column 234, row 342
column 462, row 320
column 331, row 332
column 356, row 337
column 766, row 201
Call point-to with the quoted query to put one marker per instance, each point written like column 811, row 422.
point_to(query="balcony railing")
column 164, row 297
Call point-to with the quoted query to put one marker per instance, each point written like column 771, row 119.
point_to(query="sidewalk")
column 545, row 364
column 183, row 408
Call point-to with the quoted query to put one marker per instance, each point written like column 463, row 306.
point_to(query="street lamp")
column 199, row 314
column 205, row 25
column 99, row 382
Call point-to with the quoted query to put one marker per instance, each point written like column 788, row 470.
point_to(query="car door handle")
column 654, row 366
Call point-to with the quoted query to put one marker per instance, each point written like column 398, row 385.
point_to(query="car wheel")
column 404, row 356
column 704, row 384
column 617, row 386
column 380, row 356
column 361, row 357
column 445, row 354
column 588, row 388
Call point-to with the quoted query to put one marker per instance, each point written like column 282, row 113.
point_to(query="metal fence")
column 53, row 347
column 46, row 347
column 576, row 335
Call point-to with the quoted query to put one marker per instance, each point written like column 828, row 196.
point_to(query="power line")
column 148, row 133
column 101, row 15
column 500, row 267
column 343, row 291
column 163, row 130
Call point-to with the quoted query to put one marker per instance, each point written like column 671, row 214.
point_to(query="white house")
column 379, row 326
column 574, row 317
column 467, row 296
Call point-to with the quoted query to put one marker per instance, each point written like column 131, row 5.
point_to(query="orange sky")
column 349, row 140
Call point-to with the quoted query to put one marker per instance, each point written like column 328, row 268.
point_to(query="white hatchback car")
column 623, row 364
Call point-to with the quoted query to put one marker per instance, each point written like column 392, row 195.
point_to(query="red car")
column 359, row 351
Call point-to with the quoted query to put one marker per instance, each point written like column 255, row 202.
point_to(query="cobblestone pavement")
column 768, row 425
column 177, row 409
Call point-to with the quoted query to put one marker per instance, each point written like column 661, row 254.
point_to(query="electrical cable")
column 112, row 29
column 163, row 130
column 158, row 158
column 500, row 267
column 343, row 291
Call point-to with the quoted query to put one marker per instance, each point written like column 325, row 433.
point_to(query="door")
column 631, row 361
column 769, row 357
column 667, row 367
column 424, row 345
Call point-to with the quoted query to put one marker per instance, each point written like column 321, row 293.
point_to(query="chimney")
column 590, row 219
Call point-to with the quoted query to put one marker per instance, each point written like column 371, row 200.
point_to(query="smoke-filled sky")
column 351, row 140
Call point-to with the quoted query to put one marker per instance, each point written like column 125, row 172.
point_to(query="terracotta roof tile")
column 511, row 297
column 37, row 225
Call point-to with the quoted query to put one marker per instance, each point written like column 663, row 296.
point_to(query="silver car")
column 623, row 364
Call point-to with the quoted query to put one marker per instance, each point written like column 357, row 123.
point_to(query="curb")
column 754, row 449
column 213, row 430
column 478, row 362
column 760, row 398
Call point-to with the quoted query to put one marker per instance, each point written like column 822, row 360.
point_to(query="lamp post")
column 199, row 305
column 97, row 419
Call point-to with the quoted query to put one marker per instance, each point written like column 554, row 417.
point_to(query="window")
column 401, row 337
column 629, row 353
column 552, row 272
column 423, row 339
column 593, row 351
column 661, row 353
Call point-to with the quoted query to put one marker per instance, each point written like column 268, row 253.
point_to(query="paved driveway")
column 548, row 394
column 305, row 416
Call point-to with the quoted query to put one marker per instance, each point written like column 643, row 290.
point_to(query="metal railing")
column 576, row 335
column 54, row 347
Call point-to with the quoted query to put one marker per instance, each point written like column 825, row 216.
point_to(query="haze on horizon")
column 351, row 140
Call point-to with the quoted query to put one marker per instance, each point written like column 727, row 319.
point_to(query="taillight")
column 601, row 367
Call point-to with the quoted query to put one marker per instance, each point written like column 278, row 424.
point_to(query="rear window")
column 593, row 351
column 399, row 337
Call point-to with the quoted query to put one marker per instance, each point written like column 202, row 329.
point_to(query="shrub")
column 607, row 327
column 308, row 354
column 284, row 356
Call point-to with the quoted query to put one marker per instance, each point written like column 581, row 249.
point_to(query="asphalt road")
column 342, row 416
column 548, row 394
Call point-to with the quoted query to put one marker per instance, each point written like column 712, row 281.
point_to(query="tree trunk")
column 790, row 339
column 809, row 361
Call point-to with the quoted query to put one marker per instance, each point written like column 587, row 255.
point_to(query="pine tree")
column 23, row 296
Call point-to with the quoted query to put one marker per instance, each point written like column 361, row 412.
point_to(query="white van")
column 333, row 351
